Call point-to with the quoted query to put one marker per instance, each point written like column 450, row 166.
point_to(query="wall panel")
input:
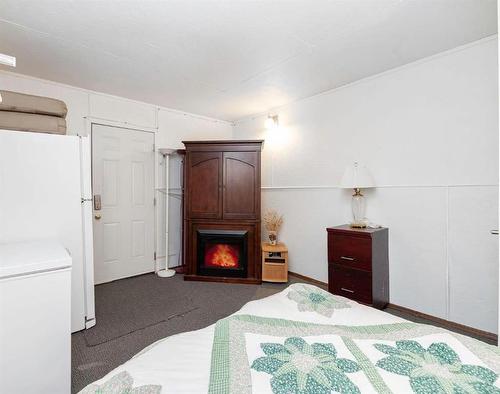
column 473, row 256
column 416, row 218
column 424, row 130
column 120, row 110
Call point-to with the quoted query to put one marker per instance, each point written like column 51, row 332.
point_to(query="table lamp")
column 357, row 177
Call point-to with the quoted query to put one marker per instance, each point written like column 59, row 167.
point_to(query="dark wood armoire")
column 222, row 211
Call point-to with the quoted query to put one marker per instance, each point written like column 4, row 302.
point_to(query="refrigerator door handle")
column 86, row 198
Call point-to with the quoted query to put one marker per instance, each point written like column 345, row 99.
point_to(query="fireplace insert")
column 222, row 253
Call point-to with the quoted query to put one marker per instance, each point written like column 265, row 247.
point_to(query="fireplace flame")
column 224, row 256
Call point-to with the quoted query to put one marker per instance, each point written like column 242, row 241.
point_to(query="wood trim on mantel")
column 445, row 323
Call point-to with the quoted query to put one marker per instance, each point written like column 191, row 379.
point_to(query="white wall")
column 170, row 128
column 428, row 131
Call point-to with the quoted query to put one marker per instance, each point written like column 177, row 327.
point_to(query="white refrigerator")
column 45, row 193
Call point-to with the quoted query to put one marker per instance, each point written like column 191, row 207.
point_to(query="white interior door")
column 123, row 180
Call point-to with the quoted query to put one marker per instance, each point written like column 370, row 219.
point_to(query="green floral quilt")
column 313, row 299
column 266, row 355
column 121, row 383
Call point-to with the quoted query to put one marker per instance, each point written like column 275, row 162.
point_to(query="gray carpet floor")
column 132, row 313
column 135, row 312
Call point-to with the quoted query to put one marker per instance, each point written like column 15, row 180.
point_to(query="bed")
column 306, row 340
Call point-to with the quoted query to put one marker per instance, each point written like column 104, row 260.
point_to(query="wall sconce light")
column 272, row 122
column 7, row 60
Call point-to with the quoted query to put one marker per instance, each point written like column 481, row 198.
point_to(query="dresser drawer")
column 350, row 283
column 350, row 251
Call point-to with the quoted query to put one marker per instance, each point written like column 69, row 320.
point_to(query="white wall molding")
column 122, row 125
column 377, row 187
column 194, row 116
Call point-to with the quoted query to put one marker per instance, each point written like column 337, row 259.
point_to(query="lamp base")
column 168, row 273
column 358, row 209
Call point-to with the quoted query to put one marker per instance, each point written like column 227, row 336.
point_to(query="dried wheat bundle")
column 272, row 220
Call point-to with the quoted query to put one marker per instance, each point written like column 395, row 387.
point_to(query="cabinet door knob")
column 348, row 290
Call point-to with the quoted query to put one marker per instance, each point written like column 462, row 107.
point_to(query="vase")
column 273, row 237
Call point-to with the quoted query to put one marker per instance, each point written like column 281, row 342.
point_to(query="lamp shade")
column 357, row 176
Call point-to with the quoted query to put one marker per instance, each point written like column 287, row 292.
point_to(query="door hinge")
column 154, row 255
column 154, row 146
column 154, row 201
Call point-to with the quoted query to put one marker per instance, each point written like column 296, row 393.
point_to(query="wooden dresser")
column 358, row 264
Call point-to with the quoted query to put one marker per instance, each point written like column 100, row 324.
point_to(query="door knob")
column 97, row 216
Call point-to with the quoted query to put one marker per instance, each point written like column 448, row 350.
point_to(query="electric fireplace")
column 222, row 253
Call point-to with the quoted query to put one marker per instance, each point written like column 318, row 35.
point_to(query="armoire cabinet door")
column 204, row 185
column 241, row 185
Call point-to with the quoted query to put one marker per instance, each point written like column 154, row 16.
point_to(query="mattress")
column 22, row 121
column 306, row 340
column 27, row 103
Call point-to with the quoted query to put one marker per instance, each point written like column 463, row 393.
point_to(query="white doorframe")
column 87, row 171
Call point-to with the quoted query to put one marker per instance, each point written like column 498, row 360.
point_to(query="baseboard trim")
column 446, row 323
column 315, row 281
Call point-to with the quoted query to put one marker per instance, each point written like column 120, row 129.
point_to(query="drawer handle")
column 347, row 258
column 348, row 290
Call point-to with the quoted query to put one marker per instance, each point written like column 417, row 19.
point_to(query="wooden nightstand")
column 274, row 262
column 358, row 264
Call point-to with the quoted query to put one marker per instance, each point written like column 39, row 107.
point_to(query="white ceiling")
column 230, row 58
